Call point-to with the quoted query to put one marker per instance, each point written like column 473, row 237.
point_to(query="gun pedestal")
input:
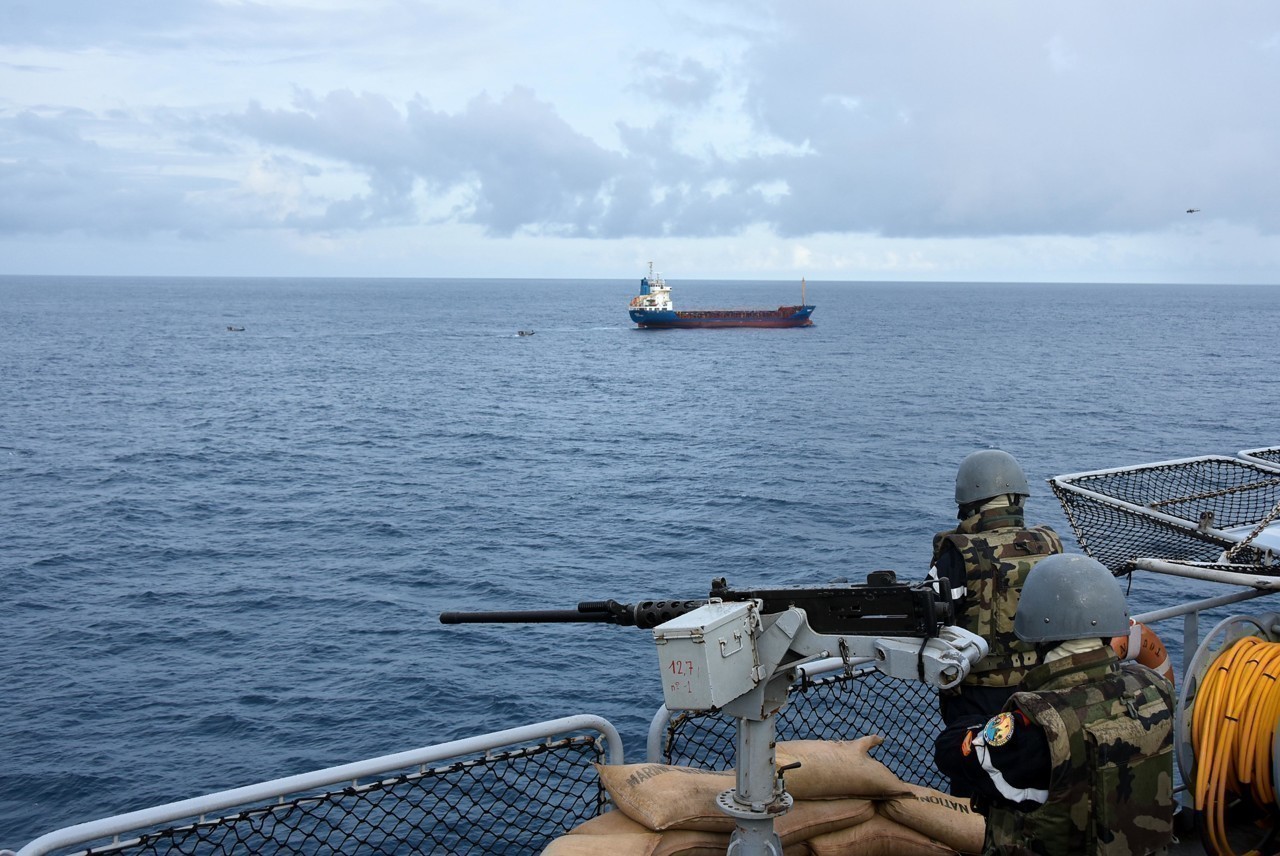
column 733, row 657
column 758, row 796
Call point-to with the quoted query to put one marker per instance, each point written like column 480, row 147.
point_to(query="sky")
column 965, row 140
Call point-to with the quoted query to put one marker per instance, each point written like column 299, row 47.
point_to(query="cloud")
column 44, row 198
column 682, row 82
column 51, row 128
column 911, row 121
column 522, row 163
column 1005, row 120
column 138, row 25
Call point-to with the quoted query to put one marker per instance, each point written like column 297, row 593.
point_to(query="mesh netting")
column 1201, row 495
column 1270, row 457
column 842, row 707
column 509, row 802
column 516, row 802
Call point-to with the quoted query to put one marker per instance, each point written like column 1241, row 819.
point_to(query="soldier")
column 1081, row 759
column 982, row 564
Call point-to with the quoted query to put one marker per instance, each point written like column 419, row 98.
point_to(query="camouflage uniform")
column 997, row 552
column 1110, row 743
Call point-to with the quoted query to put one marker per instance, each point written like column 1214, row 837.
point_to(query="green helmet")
column 989, row 473
column 1069, row 596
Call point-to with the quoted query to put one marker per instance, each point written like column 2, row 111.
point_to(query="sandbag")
column 808, row 818
column 615, row 844
column 940, row 816
column 617, row 833
column 685, row 842
column 878, row 836
column 837, row 768
column 662, row 796
column 707, row 847
column 691, row 842
column 609, row 823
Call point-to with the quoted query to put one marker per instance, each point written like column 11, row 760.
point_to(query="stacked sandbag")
column 942, row 817
column 615, row 834
column 846, row 802
column 910, row 819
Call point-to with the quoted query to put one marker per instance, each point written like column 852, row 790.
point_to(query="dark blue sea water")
column 224, row 553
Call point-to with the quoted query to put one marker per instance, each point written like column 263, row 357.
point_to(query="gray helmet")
column 989, row 473
column 1069, row 596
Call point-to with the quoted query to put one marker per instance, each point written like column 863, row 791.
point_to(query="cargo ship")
column 652, row 309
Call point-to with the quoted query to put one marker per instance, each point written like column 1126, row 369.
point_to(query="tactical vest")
column 996, row 563
column 1110, row 731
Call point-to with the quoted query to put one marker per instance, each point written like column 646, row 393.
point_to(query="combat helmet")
column 988, row 473
column 1070, row 596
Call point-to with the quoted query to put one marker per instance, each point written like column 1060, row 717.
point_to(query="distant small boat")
column 652, row 308
column 526, row 333
column 231, row 329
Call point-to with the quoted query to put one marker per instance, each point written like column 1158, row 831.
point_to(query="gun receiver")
column 881, row 607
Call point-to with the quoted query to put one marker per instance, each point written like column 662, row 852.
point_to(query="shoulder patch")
column 999, row 730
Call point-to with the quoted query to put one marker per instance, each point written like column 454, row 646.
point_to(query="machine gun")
column 882, row 607
column 738, row 651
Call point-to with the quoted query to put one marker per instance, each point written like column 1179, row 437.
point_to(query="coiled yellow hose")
column 1233, row 726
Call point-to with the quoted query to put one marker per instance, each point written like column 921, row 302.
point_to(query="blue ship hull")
column 783, row 316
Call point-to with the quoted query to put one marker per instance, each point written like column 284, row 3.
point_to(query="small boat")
column 652, row 308
column 525, row 333
column 233, row 329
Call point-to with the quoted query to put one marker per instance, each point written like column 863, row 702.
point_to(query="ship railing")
column 508, row 791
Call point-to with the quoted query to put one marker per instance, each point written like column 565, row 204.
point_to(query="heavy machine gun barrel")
column 645, row 614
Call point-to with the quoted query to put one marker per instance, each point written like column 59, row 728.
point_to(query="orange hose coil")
column 1233, row 722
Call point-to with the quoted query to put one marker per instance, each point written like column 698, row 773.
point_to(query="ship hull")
column 783, row 316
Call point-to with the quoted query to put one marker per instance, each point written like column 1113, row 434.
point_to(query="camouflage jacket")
column 998, row 552
column 1110, row 733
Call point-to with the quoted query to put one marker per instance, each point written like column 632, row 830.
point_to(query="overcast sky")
column 756, row 139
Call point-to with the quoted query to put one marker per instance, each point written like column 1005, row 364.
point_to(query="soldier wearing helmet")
column 982, row 565
column 1080, row 761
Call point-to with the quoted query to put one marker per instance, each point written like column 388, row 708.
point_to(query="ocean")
column 225, row 552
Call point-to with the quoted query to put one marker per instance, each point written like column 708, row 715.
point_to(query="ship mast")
column 802, row 303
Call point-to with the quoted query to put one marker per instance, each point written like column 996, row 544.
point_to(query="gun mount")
column 738, row 651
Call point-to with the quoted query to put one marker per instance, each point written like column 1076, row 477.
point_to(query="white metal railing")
column 1257, row 585
column 199, row 807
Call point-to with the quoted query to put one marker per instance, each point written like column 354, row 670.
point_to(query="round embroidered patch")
column 999, row 730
